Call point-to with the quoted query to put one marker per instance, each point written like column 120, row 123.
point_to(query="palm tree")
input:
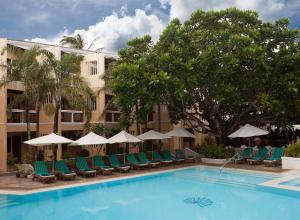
column 74, row 42
column 36, row 79
column 68, row 85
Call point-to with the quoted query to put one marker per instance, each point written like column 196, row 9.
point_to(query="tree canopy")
column 219, row 68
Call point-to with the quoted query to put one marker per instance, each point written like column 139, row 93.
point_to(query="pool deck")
column 9, row 184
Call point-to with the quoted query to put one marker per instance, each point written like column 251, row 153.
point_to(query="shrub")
column 214, row 151
column 84, row 153
column 293, row 150
column 11, row 159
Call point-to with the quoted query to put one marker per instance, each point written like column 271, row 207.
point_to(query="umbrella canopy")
column 49, row 139
column 153, row 135
column 90, row 139
column 180, row 132
column 123, row 137
column 296, row 127
column 248, row 131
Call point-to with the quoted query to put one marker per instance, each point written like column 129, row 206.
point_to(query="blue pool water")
column 191, row 194
column 293, row 182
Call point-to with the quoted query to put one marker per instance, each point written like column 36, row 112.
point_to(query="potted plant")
column 215, row 154
column 291, row 159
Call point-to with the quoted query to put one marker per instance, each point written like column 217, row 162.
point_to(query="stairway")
column 4, row 202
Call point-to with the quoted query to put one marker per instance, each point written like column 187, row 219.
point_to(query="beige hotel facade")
column 71, row 122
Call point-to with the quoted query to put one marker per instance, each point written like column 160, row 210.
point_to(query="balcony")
column 17, row 116
column 71, row 116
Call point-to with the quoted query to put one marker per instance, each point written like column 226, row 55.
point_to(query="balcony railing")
column 18, row 116
column 71, row 116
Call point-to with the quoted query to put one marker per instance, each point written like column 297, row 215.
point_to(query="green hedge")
column 214, row 151
column 293, row 150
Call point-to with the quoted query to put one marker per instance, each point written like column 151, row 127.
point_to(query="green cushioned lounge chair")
column 168, row 156
column 135, row 163
column 41, row 172
column 275, row 158
column 246, row 154
column 180, row 155
column 83, row 167
column 63, row 170
column 101, row 166
column 260, row 156
column 144, row 159
column 115, row 163
column 158, row 158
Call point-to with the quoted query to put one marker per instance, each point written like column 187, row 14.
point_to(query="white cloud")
column 267, row 9
column 114, row 31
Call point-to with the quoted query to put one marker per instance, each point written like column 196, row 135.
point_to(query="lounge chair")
column 135, row 163
column 115, row 163
column 83, row 167
column 260, row 156
column 275, row 158
column 246, row 154
column 41, row 172
column 168, row 156
column 158, row 158
column 63, row 171
column 180, row 155
column 101, row 166
column 144, row 159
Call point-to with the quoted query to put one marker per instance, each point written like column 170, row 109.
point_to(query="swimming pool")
column 194, row 194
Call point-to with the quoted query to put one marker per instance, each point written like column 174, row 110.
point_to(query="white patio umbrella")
column 91, row 139
column 296, row 127
column 50, row 139
column 180, row 132
column 248, row 131
column 153, row 135
column 123, row 137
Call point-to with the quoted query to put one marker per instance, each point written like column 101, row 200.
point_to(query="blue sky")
column 110, row 23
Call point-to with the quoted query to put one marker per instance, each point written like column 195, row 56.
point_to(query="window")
column 92, row 68
column 8, row 61
column 92, row 102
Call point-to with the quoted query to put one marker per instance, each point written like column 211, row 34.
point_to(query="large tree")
column 223, row 69
column 135, row 82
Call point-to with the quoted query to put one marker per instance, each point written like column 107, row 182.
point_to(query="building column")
column 3, row 132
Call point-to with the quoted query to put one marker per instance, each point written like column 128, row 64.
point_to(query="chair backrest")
column 179, row 153
column 156, row 155
column 40, row 167
column 113, row 160
column 61, row 166
column 97, row 161
column 262, row 152
column 277, row 152
column 247, row 152
column 143, row 157
column 132, row 159
column 81, row 163
column 167, row 154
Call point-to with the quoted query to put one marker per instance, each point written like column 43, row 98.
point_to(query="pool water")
column 190, row 194
column 293, row 182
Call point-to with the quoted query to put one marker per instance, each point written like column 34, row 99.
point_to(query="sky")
column 109, row 24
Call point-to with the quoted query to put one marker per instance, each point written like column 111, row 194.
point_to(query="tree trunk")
column 37, row 118
column 55, row 129
column 159, row 117
column 27, row 119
